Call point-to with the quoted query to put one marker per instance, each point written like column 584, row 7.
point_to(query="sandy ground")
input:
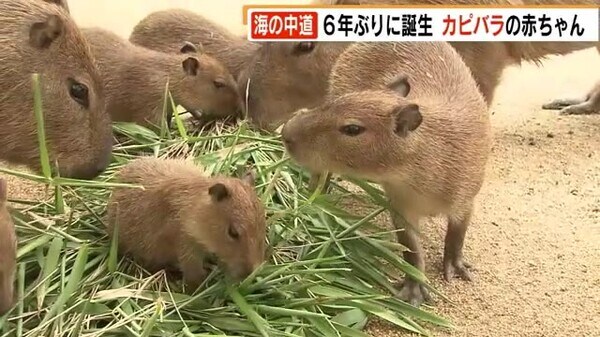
column 535, row 237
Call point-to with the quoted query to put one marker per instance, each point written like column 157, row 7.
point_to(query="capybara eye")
column 79, row 92
column 233, row 233
column 352, row 130
column 305, row 47
column 218, row 84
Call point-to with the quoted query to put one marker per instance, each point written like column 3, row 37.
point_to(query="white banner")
column 372, row 24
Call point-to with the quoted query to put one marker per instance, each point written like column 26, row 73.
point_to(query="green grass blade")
column 41, row 129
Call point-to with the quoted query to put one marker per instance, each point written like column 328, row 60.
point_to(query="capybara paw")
column 456, row 267
column 413, row 293
column 582, row 109
column 559, row 104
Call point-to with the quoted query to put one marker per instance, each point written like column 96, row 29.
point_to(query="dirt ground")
column 535, row 237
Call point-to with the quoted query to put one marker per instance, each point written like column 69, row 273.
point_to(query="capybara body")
column 166, row 30
column 183, row 216
column 40, row 37
column 8, row 253
column 408, row 116
column 285, row 77
column 136, row 78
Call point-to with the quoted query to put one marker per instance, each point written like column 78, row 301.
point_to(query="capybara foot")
column 456, row 267
column 413, row 293
column 561, row 103
column 586, row 108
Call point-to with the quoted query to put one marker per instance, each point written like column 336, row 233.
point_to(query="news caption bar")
column 387, row 24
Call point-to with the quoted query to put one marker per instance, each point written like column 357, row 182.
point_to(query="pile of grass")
column 325, row 275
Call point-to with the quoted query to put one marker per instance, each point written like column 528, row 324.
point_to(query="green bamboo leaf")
column 151, row 323
column 72, row 283
column 260, row 323
column 50, row 265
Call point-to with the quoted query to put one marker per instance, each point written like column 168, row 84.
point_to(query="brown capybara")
column 8, row 253
column 40, row 37
column 136, row 78
column 183, row 217
column 287, row 76
column 408, row 116
column 166, row 30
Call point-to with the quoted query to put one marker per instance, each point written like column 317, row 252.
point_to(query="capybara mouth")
column 197, row 114
column 84, row 174
column 88, row 172
column 212, row 259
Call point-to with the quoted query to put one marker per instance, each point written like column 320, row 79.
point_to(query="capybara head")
column 362, row 134
column 233, row 227
column 38, row 37
column 205, row 85
column 8, row 253
column 284, row 77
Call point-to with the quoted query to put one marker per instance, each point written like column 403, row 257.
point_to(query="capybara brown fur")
column 39, row 37
column 166, row 30
column 285, row 77
column 183, row 216
column 409, row 117
column 136, row 78
column 8, row 252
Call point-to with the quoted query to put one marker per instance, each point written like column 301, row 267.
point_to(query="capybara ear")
column 61, row 3
column 188, row 47
column 304, row 47
column 42, row 34
column 407, row 118
column 218, row 192
column 400, row 85
column 191, row 66
column 3, row 190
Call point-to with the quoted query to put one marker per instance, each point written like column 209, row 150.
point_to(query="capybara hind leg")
column 454, row 264
column 561, row 103
column 585, row 108
column 411, row 291
column 588, row 105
